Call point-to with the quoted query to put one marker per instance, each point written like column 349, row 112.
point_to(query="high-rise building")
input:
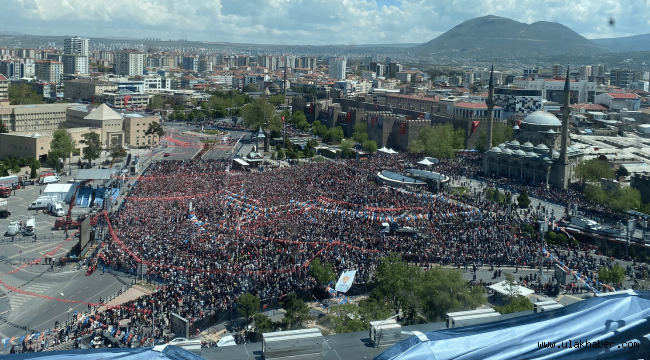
column 204, row 65
column 75, row 56
column 49, row 71
column 12, row 69
column 129, row 62
column 190, row 63
column 75, row 45
column 337, row 69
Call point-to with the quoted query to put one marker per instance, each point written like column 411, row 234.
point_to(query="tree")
column 117, row 151
column 300, row 120
column 373, row 308
column 523, row 200
column 156, row 129
column 251, row 88
column 23, row 94
column 248, row 305
column 296, row 312
column 346, row 318
column 613, row 275
column 334, row 135
column 277, row 99
column 32, row 174
column 395, row 278
column 103, row 69
column 625, row 199
column 61, row 147
column 516, row 304
column 281, row 154
column 346, row 148
column 322, row 272
column 257, row 113
column 156, row 102
column 262, row 323
column 275, row 125
column 3, row 128
column 501, row 133
column 93, row 147
column 370, row 146
column 360, row 134
column 439, row 141
column 442, row 290
column 318, row 129
column 594, row 170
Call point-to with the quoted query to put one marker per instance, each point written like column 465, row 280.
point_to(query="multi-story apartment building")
column 129, row 62
column 204, row 65
column 190, row 63
column 87, row 89
column 4, row 87
column 12, row 69
column 75, row 64
column 622, row 77
column 49, row 71
column 518, row 101
column 582, row 91
column 75, row 45
column 337, row 69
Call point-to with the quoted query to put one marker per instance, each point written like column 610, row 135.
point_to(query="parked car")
column 166, row 154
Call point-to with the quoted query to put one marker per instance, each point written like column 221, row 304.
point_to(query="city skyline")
column 315, row 22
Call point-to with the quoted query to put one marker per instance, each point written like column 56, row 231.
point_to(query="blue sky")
column 314, row 22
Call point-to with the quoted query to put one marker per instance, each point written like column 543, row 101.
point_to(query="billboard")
column 84, row 233
column 180, row 327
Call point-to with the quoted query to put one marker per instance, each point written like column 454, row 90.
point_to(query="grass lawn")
column 459, row 190
column 214, row 132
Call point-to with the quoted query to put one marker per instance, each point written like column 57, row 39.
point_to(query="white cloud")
column 309, row 21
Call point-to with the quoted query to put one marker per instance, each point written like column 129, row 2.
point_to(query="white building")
column 75, row 45
column 337, row 69
column 49, row 71
column 129, row 63
column 75, row 64
column 552, row 89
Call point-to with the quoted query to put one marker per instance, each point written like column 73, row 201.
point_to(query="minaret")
column 490, row 106
column 566, row 110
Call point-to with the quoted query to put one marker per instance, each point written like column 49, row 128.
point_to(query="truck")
column 13, row 229
column 585, row 223
column 4, row 209
column 9, row 181
column 394, row 228
column 56, row 209
column 30, row 225
column 42, row 203
column 5, row 191
column 49, row 180
column 25, row 180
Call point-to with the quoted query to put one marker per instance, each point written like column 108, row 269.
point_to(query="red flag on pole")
column 283, row 118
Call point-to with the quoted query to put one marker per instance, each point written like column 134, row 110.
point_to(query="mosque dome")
column 543, row 118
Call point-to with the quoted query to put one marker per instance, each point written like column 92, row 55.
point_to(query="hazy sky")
column 315, row 22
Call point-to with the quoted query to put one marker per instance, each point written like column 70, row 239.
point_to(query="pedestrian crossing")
column 17, row 300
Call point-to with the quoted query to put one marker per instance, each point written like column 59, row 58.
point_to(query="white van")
column 56, row 209
column 50, row 180
column 42, row 203
column 29, row 227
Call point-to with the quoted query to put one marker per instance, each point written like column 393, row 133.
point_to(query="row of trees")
column 15, row 164
column 439, row 141
column 23, row 94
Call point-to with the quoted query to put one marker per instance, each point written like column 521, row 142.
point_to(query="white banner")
column 345, row 281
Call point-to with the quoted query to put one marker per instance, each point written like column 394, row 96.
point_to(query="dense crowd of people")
column 211, row 234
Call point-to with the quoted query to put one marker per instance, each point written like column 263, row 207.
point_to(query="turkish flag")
column 518, row 122
column 311, row 110
column 348, row 117
column 402, row 128
column 475, row 125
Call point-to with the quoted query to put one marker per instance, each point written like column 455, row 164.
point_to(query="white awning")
column 504, row 289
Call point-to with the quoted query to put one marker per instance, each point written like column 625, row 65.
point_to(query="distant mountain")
column 496, row 36
column 625, row 44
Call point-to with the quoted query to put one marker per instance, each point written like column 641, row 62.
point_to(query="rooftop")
column 623, row 96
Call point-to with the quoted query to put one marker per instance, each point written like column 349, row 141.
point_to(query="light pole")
column 542, row 231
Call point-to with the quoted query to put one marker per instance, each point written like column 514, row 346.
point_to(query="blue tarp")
column 618, row 319
column 170, row 352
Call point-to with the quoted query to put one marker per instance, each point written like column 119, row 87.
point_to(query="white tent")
column 425, row 162
column 384, row 150
column 504, row 289
column 59, row 192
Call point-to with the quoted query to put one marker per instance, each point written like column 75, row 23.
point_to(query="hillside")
column 497, row 36
column 625, row 44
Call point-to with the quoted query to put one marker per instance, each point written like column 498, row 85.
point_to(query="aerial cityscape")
column 375, row 179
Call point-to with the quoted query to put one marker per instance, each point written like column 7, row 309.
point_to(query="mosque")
column 540, row 151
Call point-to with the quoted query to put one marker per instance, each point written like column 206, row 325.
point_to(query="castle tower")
column 490, row 106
